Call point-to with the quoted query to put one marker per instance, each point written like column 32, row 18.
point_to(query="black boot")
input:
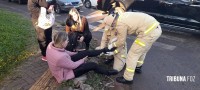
column 102, row 70
column 123, row 80
column 112, row 72
column 138, row 70
column 108, row 61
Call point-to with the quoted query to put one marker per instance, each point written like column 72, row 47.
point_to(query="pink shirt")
column 60, row 63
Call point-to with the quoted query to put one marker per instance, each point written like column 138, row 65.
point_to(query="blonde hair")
column 74, row 10
column 60, row 37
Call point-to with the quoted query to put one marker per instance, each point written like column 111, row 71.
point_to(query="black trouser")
column 87, row 34
column 86, row 67
column 89, row 66
column 87, row 40
column 43, row 37
column 45, row 41
column 89, row 53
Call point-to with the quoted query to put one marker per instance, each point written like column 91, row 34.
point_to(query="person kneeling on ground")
column 78, row 31
column 65, row 65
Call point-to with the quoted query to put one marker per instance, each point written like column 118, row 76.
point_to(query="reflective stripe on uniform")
column 115, row 44
column 152, row 27
column 139, row 42
column 123, row 56
column 141, row 62
column 116, row 51
column 119, row 18
column 130, row 70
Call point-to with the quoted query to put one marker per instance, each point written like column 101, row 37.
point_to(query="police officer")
column 109, row 36
column 147, row 30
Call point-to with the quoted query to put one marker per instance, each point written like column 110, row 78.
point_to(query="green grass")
column 17, row 41
column 93, row 79
column 97, row 81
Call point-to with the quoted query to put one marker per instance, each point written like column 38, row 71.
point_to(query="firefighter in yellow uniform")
column 109, row 36
column 147, row 30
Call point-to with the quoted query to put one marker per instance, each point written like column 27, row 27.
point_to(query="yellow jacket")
column 134, row 23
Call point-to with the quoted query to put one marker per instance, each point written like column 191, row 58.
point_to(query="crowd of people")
column 66, row 60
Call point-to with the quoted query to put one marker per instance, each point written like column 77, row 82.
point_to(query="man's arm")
column 121, row 36
column 104, row 40
column 101, row 26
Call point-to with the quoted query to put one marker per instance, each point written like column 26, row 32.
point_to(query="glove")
column 109, row 53
column 110, row 46
column 98, row 48
column 113, row 40
column 81, row 39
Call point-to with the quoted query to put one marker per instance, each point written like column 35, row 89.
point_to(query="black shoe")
column 123, row 80
column 112, row 72
column 138, row 70
column 108, row 61
column 109, row 50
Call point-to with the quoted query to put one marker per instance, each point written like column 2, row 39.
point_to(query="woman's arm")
column 65, row 62
column 67, row 29
column 84, row 26
column 71, row 53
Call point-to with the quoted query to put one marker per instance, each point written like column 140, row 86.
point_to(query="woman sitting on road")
column 78, row 26
column 65, row 65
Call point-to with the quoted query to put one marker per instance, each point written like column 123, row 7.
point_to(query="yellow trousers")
column 138, row 51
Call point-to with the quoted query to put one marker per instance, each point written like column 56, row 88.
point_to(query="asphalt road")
column 174, row 54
